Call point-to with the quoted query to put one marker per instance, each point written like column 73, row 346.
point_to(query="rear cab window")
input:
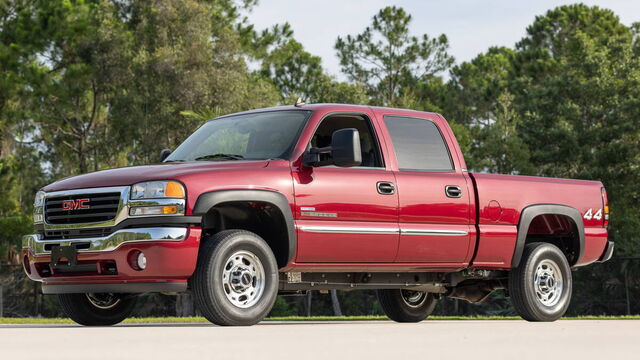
column 419, row 144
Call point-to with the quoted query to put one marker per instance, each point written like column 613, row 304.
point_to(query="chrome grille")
column 101, row 207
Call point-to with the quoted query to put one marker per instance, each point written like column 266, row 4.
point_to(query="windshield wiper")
column 221, row 157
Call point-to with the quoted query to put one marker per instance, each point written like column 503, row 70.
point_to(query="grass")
column 198, row 319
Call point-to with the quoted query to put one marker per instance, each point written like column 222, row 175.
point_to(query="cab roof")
column 331, row 107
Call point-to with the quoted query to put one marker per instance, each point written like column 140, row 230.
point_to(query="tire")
column 97, row 309
column 236, row 280
column 540, row 287
column 406, row 305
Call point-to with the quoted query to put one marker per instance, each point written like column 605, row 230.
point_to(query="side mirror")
column 164, row 154
column 345, row 150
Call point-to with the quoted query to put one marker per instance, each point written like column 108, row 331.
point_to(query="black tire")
column 213, row 295
column 406, row 305
column 97, row 309
column 548, row 299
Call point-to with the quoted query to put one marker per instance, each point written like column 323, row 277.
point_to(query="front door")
column 347, row 215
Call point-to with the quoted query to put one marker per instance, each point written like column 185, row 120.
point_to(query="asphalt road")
column 509, row 339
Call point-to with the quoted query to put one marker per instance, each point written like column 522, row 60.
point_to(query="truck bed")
column 500, row 200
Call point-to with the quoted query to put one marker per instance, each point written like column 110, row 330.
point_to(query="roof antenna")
column 299, row 102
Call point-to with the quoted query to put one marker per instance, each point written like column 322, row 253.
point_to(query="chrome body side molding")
column 433, row 232
column 375, row 230
column 348, row 230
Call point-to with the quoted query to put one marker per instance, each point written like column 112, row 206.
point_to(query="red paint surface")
column 350, row 193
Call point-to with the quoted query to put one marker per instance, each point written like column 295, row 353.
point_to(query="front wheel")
column 406, row 305
column 97, row 309
column 540, row 287
column 236, row 279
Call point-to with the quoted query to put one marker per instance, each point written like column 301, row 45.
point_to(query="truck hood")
column 136, row 174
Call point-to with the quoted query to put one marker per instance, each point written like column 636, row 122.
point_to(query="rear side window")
column 419, row 144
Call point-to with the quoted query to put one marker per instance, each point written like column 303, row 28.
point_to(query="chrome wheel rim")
column 243, row 279
column 548, row 283
column 104, row 301
column 413, row 298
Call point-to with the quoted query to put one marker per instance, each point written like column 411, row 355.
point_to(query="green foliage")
column 385, row 58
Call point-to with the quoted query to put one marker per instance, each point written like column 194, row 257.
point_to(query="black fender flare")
column 530, row 212
column 210, row 199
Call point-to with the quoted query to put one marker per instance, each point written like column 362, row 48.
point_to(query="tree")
column 385, row 58
column 497, row 146
column 86, row 57
column 475, row 86
column 578, row 90
column 181, row 62
column 297, row 73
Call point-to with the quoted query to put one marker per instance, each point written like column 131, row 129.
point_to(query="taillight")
column 605, row 205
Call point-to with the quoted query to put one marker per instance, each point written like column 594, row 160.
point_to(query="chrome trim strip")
column 433, row 232
column 109, row 242
column 348, row 230
column 373, row 230
column 121, row 213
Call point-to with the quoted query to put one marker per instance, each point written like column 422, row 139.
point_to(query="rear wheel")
column 97, row 309
column 236, row 280
column 540, row 287
column 406, row 305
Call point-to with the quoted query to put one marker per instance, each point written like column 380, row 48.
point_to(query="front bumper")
column 171, row 254
column 106, row 243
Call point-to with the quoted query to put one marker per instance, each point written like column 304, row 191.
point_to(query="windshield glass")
column 258, row 136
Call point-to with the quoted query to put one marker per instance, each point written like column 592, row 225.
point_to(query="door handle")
column 386, row 188
column 453, row 191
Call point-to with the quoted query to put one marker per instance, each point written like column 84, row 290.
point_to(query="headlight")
column 157, row 190
column 39, row 200
column 38, row 205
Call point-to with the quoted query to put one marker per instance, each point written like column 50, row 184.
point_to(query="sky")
column 472, row 26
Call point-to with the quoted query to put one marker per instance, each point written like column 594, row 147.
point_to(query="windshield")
column 258, row 136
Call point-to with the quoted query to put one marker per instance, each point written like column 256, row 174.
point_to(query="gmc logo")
column 75, row 204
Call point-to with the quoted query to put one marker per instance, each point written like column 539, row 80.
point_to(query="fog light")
column 137, row 260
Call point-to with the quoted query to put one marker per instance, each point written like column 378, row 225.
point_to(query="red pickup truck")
column 313, row 197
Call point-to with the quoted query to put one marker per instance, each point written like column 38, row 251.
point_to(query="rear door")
column 434, row 197
column 345, row 215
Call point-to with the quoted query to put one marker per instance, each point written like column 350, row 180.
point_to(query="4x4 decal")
column 590, row 215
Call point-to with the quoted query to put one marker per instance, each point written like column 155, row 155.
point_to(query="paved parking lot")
column 473, row 339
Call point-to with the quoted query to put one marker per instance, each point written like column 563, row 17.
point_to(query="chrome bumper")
column 608, row 252
column 110, row 242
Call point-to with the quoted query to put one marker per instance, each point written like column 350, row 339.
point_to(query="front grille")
column 102, row 207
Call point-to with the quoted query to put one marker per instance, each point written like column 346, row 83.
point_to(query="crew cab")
column 313, row 197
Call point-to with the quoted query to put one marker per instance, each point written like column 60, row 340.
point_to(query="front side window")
column 257, row 136
column 418, row 143
column 371, row 156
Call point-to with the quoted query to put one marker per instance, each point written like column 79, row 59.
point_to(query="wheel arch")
column 530, row 213
column 210, row 204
